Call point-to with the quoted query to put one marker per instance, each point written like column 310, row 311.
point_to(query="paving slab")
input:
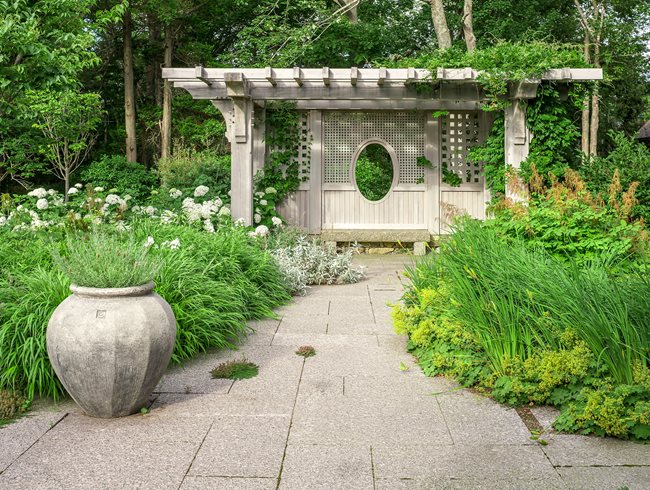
column 227, row 483
column 327, row 467
column 477, row 420
column 243, row 446
column 74, row 460
column 16, row 438
column 597, row 478
column 303, row 324
column 577, row 450
column 516, row 463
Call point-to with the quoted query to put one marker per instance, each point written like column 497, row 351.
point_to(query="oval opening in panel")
column 373, row 172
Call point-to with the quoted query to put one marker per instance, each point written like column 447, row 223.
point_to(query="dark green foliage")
column 632, row 160
column 569, row 223
column 501, row 63
column 306, row 351
column 373, row 172
column 283, row 138
column 187, row 169
column 235, row 369
column 114, row 172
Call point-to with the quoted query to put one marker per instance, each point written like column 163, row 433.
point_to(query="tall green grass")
column 516, row 300
column 213, row 282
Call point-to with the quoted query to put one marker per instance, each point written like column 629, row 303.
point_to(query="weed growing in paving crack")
column 235, row 369
column 306, row 351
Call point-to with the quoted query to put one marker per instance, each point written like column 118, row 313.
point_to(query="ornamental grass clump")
column 107, row 260
column 11, row 404
column 235, row 370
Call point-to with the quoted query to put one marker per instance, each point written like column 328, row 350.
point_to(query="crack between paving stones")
column 195, row 455
column 372, row 467
column 293, row 410
column 34, row 443
column 276, row 331
column 372, row 308
column 444, row 419
column 603, row 465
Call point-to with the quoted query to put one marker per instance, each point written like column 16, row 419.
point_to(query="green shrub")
column 107, row 260
column 187, row 169
column 114, row 172
column 374, row 172
column 568, row 222
column 632, row 161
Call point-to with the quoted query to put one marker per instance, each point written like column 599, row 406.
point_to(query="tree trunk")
column 129, row 90
column 440, row 24
column 593, row 129
column 166, row 123
column 66, row 188
column 585, row 103
column 468, row 26
column 351, row 13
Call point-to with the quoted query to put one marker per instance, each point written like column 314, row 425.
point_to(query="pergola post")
column 517, row 144
column 242, row 145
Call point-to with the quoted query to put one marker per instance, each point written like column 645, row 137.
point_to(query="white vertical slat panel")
column 294, row 209
column 455, row 203
column 349, row 209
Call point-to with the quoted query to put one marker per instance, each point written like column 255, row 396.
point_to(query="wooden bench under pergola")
column 407, row 110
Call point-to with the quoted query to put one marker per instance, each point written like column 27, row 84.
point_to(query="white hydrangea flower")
column 51, row 192
column 168, row 217
column 259, row 194
column 42, row 204
column 257, row 218
column 270, row 190
column 150, row 210
column 57, row 202
column 3, row 220
column 78, row 185
column 263, row 202
column 77, row 216
column 239, row 222
column 97, row 199
column 99, row 189
column 40, row 193
column 72, row 190
column 208, row 226
column 122, row 226
column 20, row 207
column 113, row 199
column 136, row 209
column 98, row 221
column 217, row 202
column 175, row 244
column 276, row 221
column 201, row 191
column 175, row 193
column 252, row 234
column 261, row 230
column 150, row 241
column 224, row 211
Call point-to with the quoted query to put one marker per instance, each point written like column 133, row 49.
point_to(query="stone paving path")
column 347, row 418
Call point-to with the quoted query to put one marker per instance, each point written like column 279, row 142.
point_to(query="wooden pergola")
column 325, row 94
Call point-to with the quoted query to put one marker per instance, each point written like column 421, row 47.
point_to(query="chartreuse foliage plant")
column 515, row 321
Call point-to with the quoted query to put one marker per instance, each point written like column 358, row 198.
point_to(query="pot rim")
column 141, row 290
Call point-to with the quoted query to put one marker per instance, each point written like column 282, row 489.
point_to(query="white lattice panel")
column 343, row 132
column 460, row 131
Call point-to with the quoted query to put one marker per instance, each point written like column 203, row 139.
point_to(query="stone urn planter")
column 110, row 347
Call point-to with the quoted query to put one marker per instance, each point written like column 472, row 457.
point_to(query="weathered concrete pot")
column 110, row 347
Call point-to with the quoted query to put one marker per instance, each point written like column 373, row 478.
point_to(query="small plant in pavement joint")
column 235, row 369
column 306, row 351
